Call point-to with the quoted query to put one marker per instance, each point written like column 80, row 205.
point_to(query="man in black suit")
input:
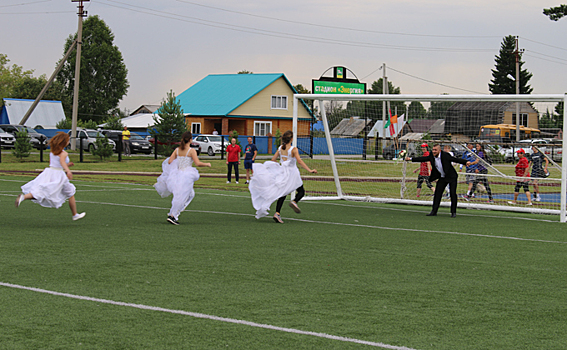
column 442, row 170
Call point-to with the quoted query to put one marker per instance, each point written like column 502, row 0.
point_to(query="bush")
column 22, row 147
column 103, row 148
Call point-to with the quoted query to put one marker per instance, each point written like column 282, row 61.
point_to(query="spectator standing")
column 423, row 172
column 538, row 171
column 470, row 169
column 215, row 132
column 522, row 173
column 250, row 153
column 126, row 141
column 482, row 171
column 232, row 159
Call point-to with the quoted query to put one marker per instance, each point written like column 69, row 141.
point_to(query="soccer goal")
column 359, row 142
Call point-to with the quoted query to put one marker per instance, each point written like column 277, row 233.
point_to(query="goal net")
column 359, row 143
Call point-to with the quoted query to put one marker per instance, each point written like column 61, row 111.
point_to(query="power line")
column 26, row 3
column 278, row 34
column 537, row 42
column 429, row 81
column 336, row 27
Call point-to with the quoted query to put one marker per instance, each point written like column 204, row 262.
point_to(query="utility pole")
column 81, row 14
column 517, row 54
column 384, row 87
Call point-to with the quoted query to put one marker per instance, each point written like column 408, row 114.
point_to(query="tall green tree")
column 10, row 77
column 556, row 13
column 506, row 65
column 30, row 87
column 169, row 125
column 374, row 109
column 103, row 80
column 416, row 110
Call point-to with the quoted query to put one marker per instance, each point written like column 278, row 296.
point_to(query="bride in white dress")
column 178, row 177
column 52, row 188
column 274, row 181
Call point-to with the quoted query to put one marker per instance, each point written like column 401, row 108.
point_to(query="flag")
column 390, row 123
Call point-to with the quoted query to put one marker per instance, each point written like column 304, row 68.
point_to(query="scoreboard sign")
column 338, row 84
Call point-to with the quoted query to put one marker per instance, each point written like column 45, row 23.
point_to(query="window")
column 262, row 128
column 195, row 128
column 279, row 102
column 523, row 119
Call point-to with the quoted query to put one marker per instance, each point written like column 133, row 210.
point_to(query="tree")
column 245, row 72
column 30, row 87
column 558, row 115
column 375, row 108
column 113, row 122
column 22, row 147
column 169, row 125
column 10, row 77
column 556, row 13
column 416, row 110
column 102, row 148
column 103, row 80
column 506, row 65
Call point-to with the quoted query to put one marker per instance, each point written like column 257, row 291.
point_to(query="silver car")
column 89, row 137
column 211, row 143
column 6, row 139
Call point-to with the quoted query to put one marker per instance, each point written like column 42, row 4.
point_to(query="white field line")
column 208, row 317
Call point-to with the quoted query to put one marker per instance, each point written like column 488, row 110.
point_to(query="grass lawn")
column 357, row 275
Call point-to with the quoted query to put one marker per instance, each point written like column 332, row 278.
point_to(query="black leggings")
column 300, row 193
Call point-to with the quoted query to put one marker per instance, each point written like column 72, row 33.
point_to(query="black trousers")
column 229, row 174
column 439, row 189
column 300, row 193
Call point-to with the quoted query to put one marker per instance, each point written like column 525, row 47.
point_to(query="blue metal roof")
column 220, row 94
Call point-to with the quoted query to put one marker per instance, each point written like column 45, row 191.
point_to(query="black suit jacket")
column 446, row 160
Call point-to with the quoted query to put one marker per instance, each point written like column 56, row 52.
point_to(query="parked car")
column 390, row 151
column 89, row 137
column 211, row 144
column 193, row 144
column 551, row 148
column 35, row 137
column 138, row 144
column 7, row 139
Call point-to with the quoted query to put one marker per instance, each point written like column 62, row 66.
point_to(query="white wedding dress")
column 177, row 178
column 51, row 188
column 273, row 180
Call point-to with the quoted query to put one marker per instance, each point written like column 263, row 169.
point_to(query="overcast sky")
column 429, row 47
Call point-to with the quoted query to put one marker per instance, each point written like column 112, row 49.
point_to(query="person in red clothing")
column 232, row 159
column 522, row 172
column 423, row 172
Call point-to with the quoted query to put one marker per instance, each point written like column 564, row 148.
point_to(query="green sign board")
column 334, row 87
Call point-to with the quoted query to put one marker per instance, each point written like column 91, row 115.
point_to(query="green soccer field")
column 340, row 275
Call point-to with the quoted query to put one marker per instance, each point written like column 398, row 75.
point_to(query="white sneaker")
column 19, row 200
column 236, row 181
column 79, row 216
column 537, row 198
column 228, row 182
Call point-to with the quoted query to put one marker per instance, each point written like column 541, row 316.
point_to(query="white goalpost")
column 358, row 155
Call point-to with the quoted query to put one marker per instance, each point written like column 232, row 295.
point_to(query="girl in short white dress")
column 274, row 181
column 178, row 177
column 52, row 188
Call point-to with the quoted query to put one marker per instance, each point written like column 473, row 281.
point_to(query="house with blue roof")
column 251, row 104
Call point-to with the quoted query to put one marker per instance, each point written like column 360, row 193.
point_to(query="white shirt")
column 439, row 165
